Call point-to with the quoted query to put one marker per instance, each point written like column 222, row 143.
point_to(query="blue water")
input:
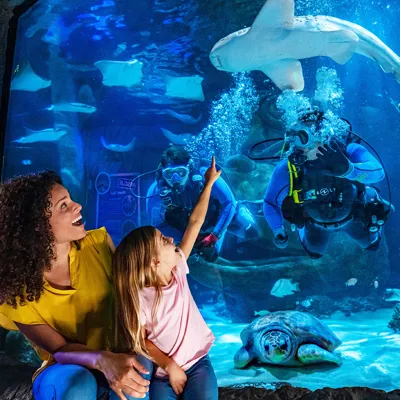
column 101, row 88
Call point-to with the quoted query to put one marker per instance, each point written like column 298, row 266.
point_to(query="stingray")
column 185, row 87
column 185, row 118
column 180, row 139
column 120, row 73
column 26, row 79
column 119, row 148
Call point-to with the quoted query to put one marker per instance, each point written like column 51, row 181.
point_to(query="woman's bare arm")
column 119, row 369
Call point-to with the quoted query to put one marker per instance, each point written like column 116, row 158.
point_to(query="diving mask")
column 301, row 137
column 177, row 175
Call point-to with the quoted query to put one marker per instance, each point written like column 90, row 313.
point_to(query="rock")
column 5, row 16
column 3, row 335
column 292, row 393
column 15, row 379
column 17, row 347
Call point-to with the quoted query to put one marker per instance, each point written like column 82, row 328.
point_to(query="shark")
column 120, row 73
column 185, row 118
column 45, row 135
column 277, row 40
column 119, row 148
column 65, row 107
column 73, row 107
column 181, row 139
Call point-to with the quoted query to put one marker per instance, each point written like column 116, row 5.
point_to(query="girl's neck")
column 61, row 251
column 165, row 278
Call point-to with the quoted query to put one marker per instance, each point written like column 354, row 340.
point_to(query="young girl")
column 155, row 312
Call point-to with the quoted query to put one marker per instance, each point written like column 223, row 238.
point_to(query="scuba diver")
column 324, row 186
column 179, row 182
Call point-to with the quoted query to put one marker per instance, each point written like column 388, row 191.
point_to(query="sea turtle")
column 287, row 338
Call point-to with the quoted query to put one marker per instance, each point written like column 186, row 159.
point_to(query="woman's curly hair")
column 26, row 239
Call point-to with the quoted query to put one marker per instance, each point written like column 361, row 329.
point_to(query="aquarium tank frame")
column 17, row 12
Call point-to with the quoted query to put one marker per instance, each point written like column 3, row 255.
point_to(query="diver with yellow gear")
column 323, row 185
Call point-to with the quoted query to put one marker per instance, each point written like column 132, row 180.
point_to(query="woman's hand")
column 121, row 372
column 212, row 174
column 177, row 377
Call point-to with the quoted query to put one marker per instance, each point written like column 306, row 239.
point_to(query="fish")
column 68, row 178
column 45, row 135
column 42, row 18
column 185, row 118
column 26, row 79
column 272, row 45
column 260, row 313
column 104, row 4
column 351, row 282
column 284, row 287
column 376, row 284
column 57, row 33
column 392, row 295
column 119, row 148
column 395, row 104
column 87, row 16
column 184, row 87
column 119, row 22
column 181, row 139
column 120, row 49
column 120, row 73
column 306, row 303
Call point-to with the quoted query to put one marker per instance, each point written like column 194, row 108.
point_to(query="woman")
column 55, row 287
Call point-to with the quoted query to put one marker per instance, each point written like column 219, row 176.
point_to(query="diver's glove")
column 205, row 246
column 332, row 161
column 209, row 241
column 280, row 238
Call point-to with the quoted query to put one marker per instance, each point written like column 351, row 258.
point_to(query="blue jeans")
column 74, row 382
column 201, row 384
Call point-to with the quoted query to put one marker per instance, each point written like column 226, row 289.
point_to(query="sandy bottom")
column 370, row 353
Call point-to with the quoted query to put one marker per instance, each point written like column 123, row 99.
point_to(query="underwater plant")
column 395, row 321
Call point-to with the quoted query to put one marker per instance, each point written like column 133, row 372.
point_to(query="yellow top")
column 82, row 314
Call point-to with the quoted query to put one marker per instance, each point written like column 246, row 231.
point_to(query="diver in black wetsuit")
column 324, row 186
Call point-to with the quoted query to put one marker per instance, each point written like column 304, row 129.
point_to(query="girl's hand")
column 212, row 174
column 121, row 373
column 177, row 377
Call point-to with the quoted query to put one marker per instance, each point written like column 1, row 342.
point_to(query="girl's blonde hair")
column 133, row 271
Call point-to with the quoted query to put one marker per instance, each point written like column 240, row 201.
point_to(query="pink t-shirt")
column 179, row 330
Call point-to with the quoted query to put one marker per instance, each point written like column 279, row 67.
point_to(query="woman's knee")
column 67, row 382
